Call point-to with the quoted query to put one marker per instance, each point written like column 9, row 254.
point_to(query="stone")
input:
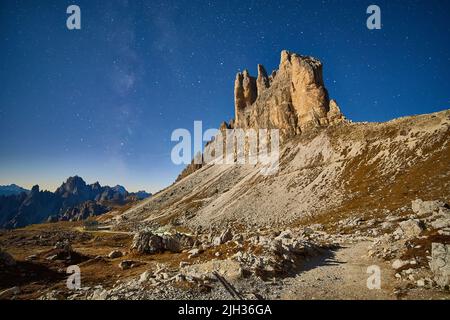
column 440, row 264
column 441, row 223
column 397, row 264
column 223, row 238
column 177, row 242
column 444, row 211
column 444, row 232
column 411, row 228
column 145, row 276
column 99, row 294
column 386, row 225
column 64, row 245
column 425, row 207
column 147, row 242
column 126, row 264
column 285, row 234
column 115, row 254
column 193, row 253
column 53, row 295
column 150, row 243
column 238, row 238
column 164, row 275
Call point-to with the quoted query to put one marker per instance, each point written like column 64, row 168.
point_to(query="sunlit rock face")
column 292, row 99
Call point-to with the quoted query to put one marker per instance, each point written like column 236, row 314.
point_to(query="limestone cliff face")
column 292, row 99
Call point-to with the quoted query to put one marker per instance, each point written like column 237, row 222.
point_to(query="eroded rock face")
column 292, row 99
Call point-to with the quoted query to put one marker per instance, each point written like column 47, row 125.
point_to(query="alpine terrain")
column 356, row 210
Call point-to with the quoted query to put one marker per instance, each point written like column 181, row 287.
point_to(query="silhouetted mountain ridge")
column 73, row 200
column 12, row 189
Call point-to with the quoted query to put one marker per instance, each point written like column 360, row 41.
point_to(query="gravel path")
column 341, row 274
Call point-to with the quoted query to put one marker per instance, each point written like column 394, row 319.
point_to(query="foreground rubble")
column 262, row 263
column 411, row 246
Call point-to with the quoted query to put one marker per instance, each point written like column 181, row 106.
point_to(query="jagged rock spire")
column 294, row 98
column 262, row 82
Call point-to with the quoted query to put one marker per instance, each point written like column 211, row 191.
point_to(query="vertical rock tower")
column 292, row 99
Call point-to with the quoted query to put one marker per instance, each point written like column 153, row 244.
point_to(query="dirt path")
column 341, row 274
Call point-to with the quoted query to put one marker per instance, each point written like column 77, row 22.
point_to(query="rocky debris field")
column 411, row 248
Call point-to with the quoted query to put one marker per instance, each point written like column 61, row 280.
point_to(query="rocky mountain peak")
column 72, row 185
column 292, row 99
column 35, row 189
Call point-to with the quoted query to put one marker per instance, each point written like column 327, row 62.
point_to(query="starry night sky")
column 102, row 102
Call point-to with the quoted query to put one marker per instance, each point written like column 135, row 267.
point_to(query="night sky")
column 102, row 102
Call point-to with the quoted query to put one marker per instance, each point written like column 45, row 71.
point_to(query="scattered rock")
column 426, row 207
column 115, row 254
column 412, row 228
column 194, row 253
column 223, row 238
column 441, row 223
column 99, row 294
column 397, row 264
column 127, row 264
column 149, row 242
column 440, row 264
column 64, row 245
column 177, row 242
column 421, row 283
column 53, row 257
column 145, row 276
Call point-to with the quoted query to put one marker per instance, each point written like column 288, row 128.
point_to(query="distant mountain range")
column 73, row 200
column 12, row 189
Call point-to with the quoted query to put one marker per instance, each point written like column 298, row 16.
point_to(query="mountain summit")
column 292, row 99
column 329, row 167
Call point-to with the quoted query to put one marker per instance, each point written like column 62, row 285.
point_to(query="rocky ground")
column 321, row 261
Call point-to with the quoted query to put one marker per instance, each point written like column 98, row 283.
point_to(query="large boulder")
column 149, row 242
column 177, row 242
column 411, row 228
column 426, row 207
column 440, row 264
